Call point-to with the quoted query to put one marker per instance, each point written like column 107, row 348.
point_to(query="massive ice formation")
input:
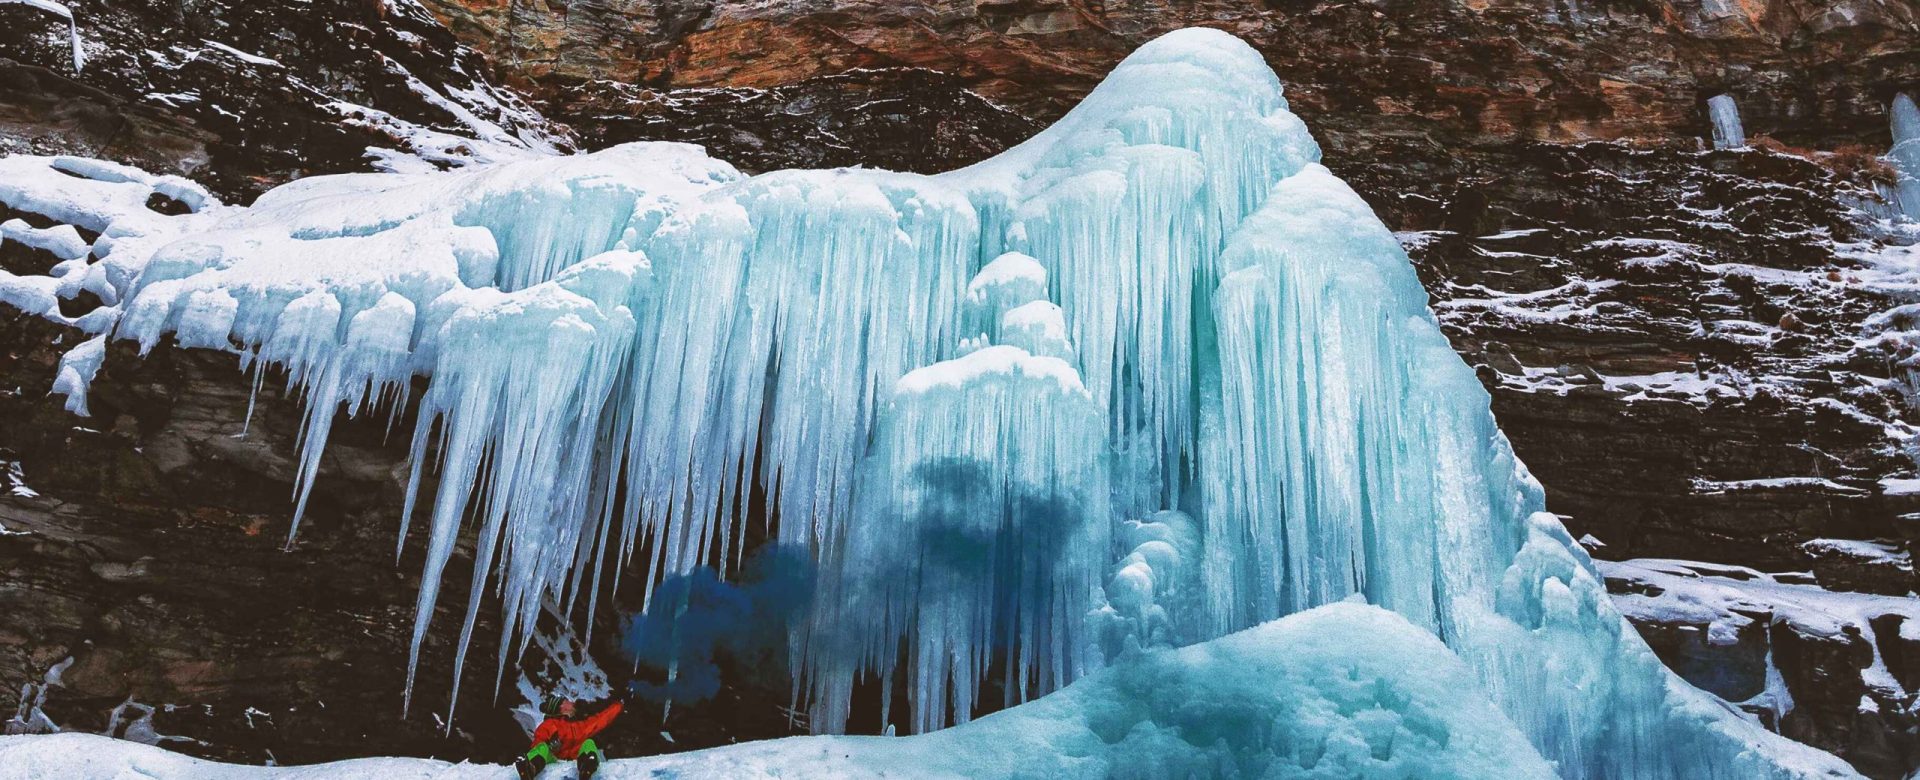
column 1150, row 378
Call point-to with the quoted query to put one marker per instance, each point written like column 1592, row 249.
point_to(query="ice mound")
column 1153, row 377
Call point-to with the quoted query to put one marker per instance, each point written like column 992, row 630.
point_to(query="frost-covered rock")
column 73, row 27
column 245, row 95
column 1824, row 665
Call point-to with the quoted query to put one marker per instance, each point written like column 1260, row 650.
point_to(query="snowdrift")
column 1154, row 377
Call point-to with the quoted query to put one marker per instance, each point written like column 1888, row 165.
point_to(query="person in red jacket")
column 564, row 737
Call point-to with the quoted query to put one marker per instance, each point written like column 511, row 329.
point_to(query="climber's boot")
column 538, row 758
column 589, row 760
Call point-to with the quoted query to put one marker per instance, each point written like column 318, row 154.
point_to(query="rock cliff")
column 1477, row 70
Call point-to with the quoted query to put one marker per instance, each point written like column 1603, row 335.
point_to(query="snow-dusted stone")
column 73, row 26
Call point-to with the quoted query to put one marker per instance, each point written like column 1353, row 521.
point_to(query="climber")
column 562, row 737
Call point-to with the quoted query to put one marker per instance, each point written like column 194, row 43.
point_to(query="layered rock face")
column 145, row 562
column 901, row 119
column 1679, row 345
column 1463, row 70
column 1677, row 342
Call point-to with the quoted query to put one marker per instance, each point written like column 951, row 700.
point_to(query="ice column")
column 519, row 401
column 1905, row 154
column 1154, row 590
column 788, row 305
column 980, row 530
column 1727, row 133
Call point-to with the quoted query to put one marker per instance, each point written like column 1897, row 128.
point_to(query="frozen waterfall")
column 1153, row 377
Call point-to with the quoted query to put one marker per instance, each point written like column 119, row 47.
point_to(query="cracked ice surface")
column 960, row 392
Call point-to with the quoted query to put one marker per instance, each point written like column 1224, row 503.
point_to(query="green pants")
column 543, row 752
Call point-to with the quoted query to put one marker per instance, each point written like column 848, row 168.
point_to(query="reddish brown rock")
column 1474, row 70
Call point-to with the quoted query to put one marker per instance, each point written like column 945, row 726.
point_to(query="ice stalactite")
column 1725, row 114
column 520, row 431
column 1150, row 378
column 789, row 304
column 1904, row 121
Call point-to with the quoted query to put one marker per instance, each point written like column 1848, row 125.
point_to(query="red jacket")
column 568, row 734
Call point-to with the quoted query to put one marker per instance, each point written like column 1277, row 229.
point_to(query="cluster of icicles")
column 1152, row 377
